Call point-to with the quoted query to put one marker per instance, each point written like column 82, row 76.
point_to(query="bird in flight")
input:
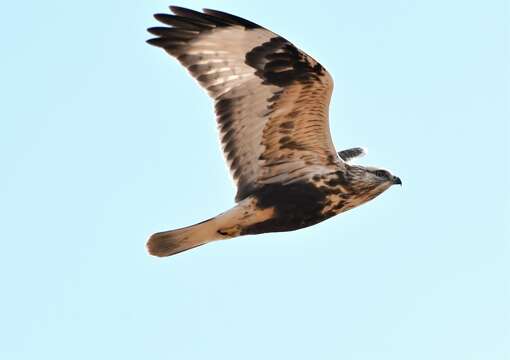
column 271, row 102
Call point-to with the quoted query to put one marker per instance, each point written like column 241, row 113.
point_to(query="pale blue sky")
column 105, row 139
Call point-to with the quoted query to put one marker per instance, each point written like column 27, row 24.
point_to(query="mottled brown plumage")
column 272, row 104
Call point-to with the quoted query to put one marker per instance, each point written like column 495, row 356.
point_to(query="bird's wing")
column 271, row 99
column 349, row 154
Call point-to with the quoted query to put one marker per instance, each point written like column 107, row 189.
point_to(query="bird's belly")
column 296, row 206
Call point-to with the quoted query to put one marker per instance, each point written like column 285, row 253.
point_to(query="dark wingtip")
column 153, row 30
column 232, row 19
column 160, row 17
column 153, row 41
column 182, row 11
column 166, row 43
column 176, row 9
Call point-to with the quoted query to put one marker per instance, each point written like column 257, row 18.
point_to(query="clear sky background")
column 105, row 139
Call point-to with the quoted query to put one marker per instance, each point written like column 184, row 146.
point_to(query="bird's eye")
column 382, row 174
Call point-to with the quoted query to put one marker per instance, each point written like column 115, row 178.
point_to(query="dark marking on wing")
column 189, row 24
column 280, row 63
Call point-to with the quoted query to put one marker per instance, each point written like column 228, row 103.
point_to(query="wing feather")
column 271, row 99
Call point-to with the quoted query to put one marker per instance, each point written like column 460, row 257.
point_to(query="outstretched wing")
column 271, row 99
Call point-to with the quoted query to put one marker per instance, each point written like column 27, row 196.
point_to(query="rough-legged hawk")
column 271, row 103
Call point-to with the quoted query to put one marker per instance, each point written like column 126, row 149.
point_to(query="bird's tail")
column 171, row 242
column 224, row 226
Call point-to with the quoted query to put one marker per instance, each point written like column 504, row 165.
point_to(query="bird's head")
column 371, row 181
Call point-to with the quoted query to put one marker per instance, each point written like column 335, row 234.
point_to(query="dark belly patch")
column 296, row 205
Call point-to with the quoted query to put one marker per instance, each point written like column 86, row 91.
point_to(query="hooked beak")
column 397, row 181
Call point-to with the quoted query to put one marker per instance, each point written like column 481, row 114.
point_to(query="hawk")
column 271, row 102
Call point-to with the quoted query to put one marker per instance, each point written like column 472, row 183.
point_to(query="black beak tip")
column 397, row 181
